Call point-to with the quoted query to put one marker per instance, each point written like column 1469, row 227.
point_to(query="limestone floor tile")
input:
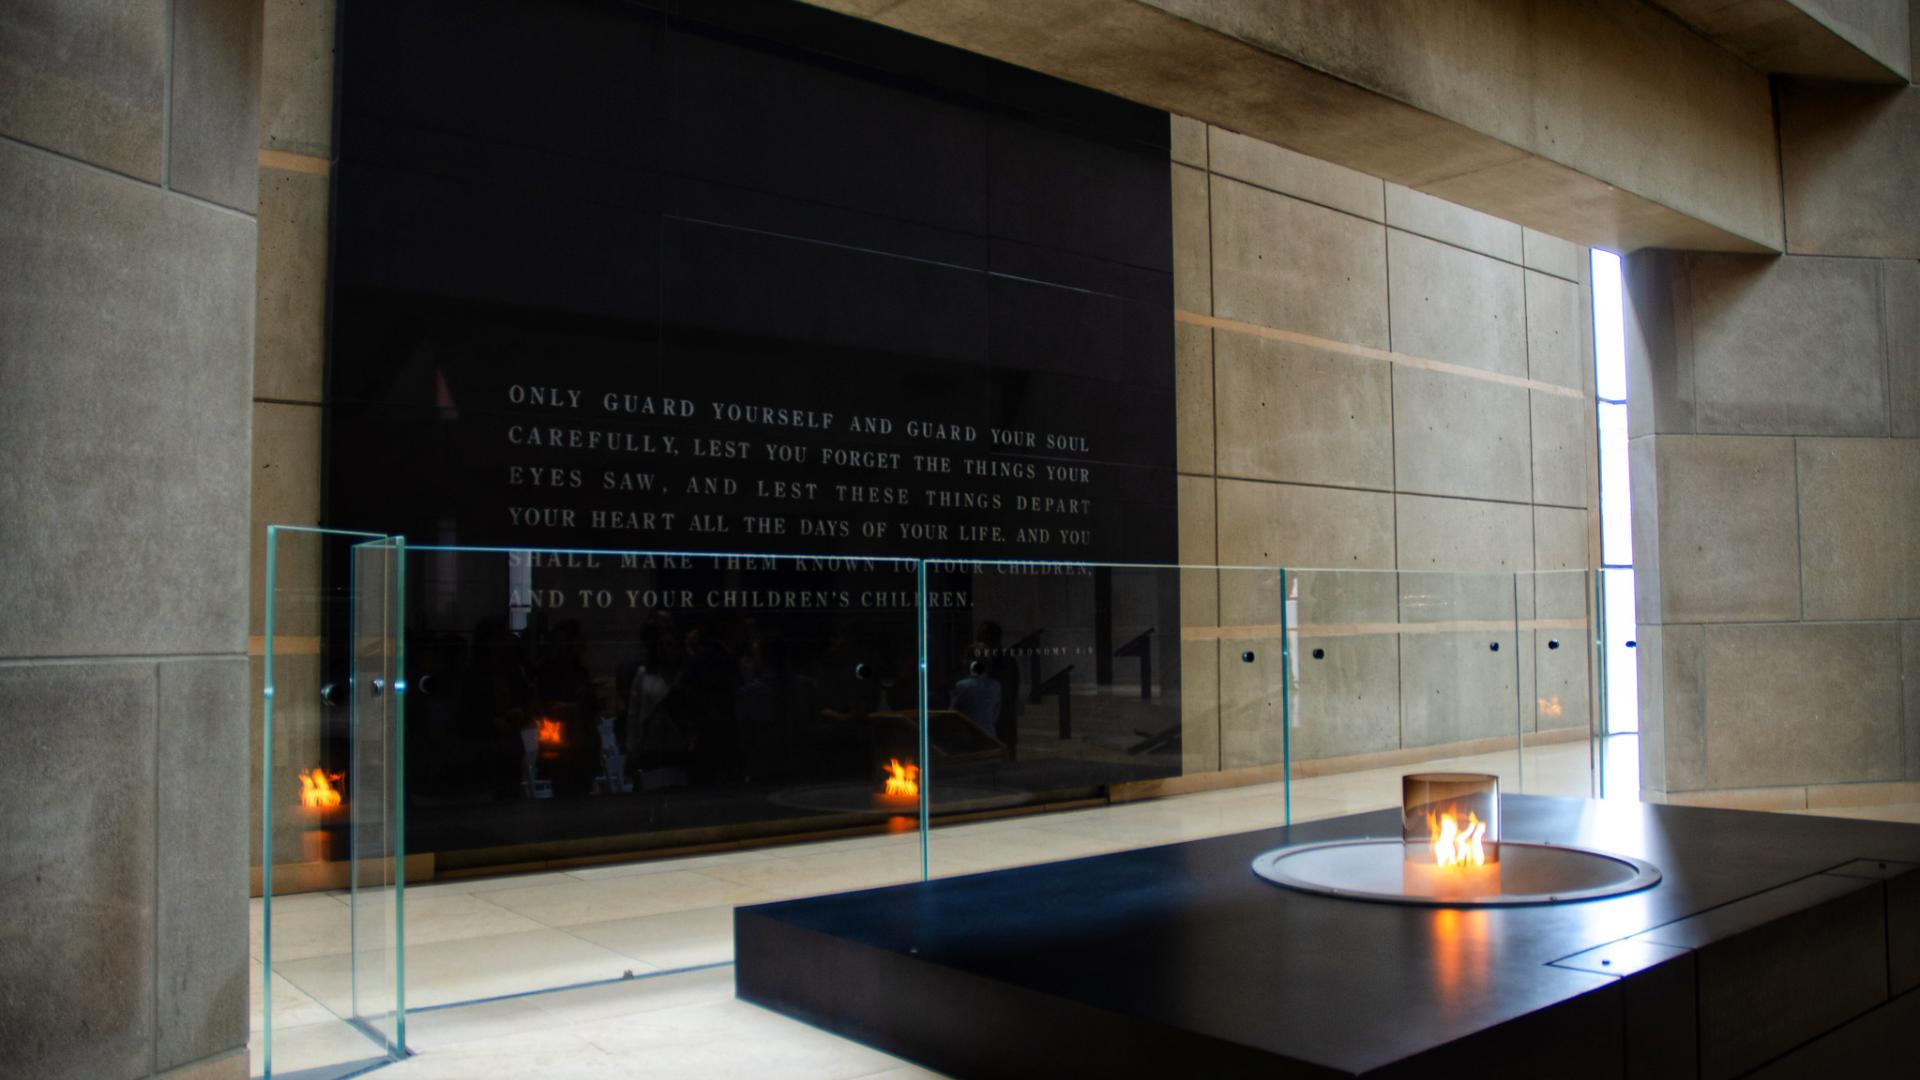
column 571, row 902
column 291, row 1006
column 470, row 969
column 1011, row 847
column 732, row 1039
column 834, row 871
column 676, row 939
column 304, row 924
column 444, row 916
column 525, row 1054
column 631, row 997
column 312, row 1046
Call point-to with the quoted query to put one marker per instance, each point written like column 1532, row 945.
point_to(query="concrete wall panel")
column 214, row 136
column 1463, row 437
column 1560, row 448
column 126, row 349
column 1279, row 169
column 1556, row 343
column 1310, row 527
column 1192, row 256
column 296, row 84
column 1292, row 265
column 1910, row 682
column 1452, row 223
column 1728, row 528
column 291, row 298
column 1787, row 346
column 1453, row 305
column 1187, row 139
column 1900, row 300
column 1848, row 154
column 201, row 914
column 1193, row 397
column 1552, row 255
column 1802, row 704
column 1659, row 344
column 1463, row 535
column 87, row 80
column 1859, row 528
column 77, row 836
column 1295, row 413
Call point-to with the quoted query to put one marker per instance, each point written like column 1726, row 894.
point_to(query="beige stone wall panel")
column 1461, row 436
column 1452, row 223
column 1294, row 413
column 1291, row 265
column 1456, row 306
column 1728, row 528
column 1860, row 528
column 1806, row 703
column 1562, row 443
column 1192, row 252
column 1900, row 293
column 1279, row 169
column 291, row 287
column 1552, row 255
column 213, row 140
column 87, row 80
column 1193, row 394
column 296, row 77
column 1789, row 346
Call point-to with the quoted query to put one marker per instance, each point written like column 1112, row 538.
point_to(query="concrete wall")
column 127, row 238
column 1776, row 478
column 1373, row 379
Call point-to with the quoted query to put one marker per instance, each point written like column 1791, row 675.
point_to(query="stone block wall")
column 1776, row 478
column 1370, row 378
column 127, row 233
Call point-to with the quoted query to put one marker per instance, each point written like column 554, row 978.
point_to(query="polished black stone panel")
column 1177, row 959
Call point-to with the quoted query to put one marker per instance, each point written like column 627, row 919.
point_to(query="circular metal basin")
column 1527, row 873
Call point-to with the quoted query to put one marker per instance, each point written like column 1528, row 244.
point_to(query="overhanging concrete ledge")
column 1602, row 121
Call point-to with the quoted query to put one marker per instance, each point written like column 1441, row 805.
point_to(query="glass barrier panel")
column 1400, row 672
column 376, row 830
column 1117, row 701
column 1558, row 639
column 644, row 740
column 304, row 913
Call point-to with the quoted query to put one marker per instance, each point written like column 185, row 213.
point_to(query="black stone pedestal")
column 1776, row 945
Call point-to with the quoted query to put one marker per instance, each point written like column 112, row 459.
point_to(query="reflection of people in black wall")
column 705, row 699
column 978, row 696
column 1004, row 670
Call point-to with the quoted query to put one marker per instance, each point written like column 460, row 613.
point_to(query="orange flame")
column 550, row 733
column 1551, row 706
column 1454, row 846
column 902, row 779
column 316, row 790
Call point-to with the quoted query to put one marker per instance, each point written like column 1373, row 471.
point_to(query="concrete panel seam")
column 1799, row 533
column 153, row 756
column 104, row 171
column 166, row 126
column 122, row 658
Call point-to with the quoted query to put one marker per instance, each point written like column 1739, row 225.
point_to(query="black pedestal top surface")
column 1185, row 936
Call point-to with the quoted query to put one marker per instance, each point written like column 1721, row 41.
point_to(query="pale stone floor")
column 480, row 953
